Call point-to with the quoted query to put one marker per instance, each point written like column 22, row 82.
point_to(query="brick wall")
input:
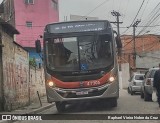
column 37, row 83
column 20, row 82
column 143, row 44
column 15, row 73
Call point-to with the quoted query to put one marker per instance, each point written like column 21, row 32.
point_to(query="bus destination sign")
column 76, row 27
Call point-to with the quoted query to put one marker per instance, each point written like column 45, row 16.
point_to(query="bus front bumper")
column 104, row 91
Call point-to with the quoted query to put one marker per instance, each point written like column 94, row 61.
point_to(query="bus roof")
column 78, row 26
column 77, row 21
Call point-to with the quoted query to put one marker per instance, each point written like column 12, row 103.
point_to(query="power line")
column 139, row 26
column 149, row 23
column 134, row 17
column 154, row 9
column 137, row 13
column 146, row 45
column 144, row 9
column 132, row 40
column 151, row 18
column 125, row 9
column 96, row 7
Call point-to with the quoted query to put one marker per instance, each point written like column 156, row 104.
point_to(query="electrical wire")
column 134, row 17
column 150, row 14
column 137, row 13
column 151, row 17
column 125, row 10
column 150, row 44
column 97, row 7
column 144, row 9
column 131, row 41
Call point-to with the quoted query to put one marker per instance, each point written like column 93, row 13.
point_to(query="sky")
column 130, row 10
column 148, row 11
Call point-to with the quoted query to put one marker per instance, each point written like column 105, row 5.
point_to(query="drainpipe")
column 1, row 77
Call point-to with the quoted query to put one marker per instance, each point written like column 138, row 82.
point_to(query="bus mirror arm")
column 38, row 46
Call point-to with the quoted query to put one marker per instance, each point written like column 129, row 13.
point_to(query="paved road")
column 127, row 104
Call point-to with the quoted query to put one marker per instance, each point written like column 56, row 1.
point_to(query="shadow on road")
column 89, row 106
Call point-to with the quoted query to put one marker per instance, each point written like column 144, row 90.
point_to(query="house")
column 144, row 44
column 7, row 32
column 30, row 18
column 19, row 82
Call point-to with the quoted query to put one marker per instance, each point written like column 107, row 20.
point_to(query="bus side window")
column 105, row 47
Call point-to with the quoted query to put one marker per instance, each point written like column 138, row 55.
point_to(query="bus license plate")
column 82, row 93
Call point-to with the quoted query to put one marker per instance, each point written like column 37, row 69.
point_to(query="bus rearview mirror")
column 38, row 46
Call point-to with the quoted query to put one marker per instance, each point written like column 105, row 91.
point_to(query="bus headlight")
column 51, row 84
column 111, row 79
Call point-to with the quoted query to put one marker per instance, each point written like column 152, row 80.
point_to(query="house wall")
column 37, row 83
column 148, row 59
column 143, row 44
column 8, row 12
column 40, row 13
column 1, row 75
column 15, row 73
column 21, row 82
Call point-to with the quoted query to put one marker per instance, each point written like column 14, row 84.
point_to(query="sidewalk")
column 33, row 108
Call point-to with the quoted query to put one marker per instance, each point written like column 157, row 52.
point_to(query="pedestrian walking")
column 156, row 84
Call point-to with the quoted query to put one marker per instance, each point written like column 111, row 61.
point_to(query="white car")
column 135, row 83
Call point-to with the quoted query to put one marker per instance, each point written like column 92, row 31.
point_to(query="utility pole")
column 117, row 14
column 134, row 44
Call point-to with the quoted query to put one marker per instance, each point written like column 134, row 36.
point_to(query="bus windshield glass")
column 79, row 53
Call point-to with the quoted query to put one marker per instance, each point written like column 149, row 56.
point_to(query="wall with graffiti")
column 37, row 83
column 20, row 81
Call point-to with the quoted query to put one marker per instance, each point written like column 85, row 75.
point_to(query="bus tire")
column 113, row 102
column 60, row 106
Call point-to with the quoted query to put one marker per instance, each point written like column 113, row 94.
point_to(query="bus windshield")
column 79, row 53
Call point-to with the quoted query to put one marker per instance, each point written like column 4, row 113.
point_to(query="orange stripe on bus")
column 77, row 84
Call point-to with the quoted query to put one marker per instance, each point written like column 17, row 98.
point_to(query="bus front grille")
column 89, row 94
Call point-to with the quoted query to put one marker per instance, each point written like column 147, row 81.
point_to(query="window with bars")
column 29, row 1
column 28, row 24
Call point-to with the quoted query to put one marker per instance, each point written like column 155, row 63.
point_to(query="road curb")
column 35, row 111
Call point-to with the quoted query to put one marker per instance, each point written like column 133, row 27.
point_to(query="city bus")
column 80, row 62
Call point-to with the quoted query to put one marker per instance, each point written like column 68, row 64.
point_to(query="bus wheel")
column 60, row 106
column 113, row 102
